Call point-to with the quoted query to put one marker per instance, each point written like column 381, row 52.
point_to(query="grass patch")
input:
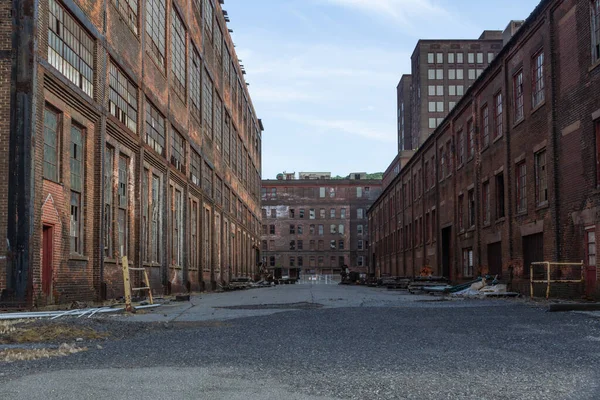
column 12, row 355
column 12, row 332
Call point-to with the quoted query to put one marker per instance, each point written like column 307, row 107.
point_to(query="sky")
column 323, row 73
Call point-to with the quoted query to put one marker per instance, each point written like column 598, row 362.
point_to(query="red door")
column 47, row 239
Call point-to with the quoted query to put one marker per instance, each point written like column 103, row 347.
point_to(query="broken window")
column 155, row 129
column 332, row 213
column 195, row 86
column 322, row 213
column 333, row 228
column 271, row 229
column 122, row 98
column 343, row 213
column 51, row 145
column 311, row 229
column 300, row 230
column 178, row 64
column 341, row 229
column 195, row 168
column 332, row 244
column 156, row 29
column 70, row 48
column 77, row 173
column 292, row 213
column 332, row 192
column 341, row 244
column 177, row 151
column 311, row 213
column 292, row 230
column 292, row 245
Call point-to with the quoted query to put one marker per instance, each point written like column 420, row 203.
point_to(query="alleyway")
column 327, row 342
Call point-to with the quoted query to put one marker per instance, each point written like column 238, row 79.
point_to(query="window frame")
column 541, row 178
column 518, row 97
column 521, row 187
column 537, row 81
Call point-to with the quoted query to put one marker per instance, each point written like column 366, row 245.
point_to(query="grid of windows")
column 208, row 104
column 122, row 98
column 208, row 17
column 155, row 129
column 177, row 150
column 70, row 48
column 541, row 184
column 129, row 10
column 178, row 65
column 50, row 145
column 195, row 88
column 226, row 136
column 218, row 120
column 518, row 95
column 538, row 79
column 156, row 28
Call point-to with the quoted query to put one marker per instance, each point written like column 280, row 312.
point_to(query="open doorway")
column 446, row 252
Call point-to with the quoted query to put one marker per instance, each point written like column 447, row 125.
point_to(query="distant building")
column 316, row 225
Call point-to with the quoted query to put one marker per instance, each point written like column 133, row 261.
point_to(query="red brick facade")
column 498, row 190
column 168, row 171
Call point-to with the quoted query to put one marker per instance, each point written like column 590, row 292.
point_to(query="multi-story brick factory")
column 130, row 132
column 316, row 225
column 511, row 175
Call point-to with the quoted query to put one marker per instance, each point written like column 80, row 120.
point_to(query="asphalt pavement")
column 326, row 342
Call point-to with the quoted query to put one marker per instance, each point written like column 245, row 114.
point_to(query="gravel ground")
column 469, row 349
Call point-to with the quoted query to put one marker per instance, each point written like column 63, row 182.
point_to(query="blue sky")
column 323, row 73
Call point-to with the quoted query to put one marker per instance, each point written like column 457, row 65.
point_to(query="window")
column 219, row 191
column 156, row 28
column 129, row 10
column 537, row 91
column 452, row 90
column 300, row 230
column 321, row 230
column 51, row 145
column 343, row 213
column 449, row 157
column 591, row 246
column 70, row 48
column 431, row 105
column 595, row 25
column 302, row 213
column 461, row 147
column 322, row 192
column 518, row 95
column 332, row 213
column 439, row 58
column 521, row 187
column 471, row 72
column 471, row 58
column 123, row 203
column 451, row 74
column 359, row 192
column 485, row 126
column 360, row 245
column 322, row 213
column 460, row 74
column 273, row 213
column 218, row 120
column 226, row 137
column 332, row 192
column 208, row 104
column 311, row 213
column 155, row 129
column 439, row 106
column 271, row 229
column 320, row 246
column 439, row 90
column 195, row 168
column 431, row 90
column 333, row 228
column 499, row 196
column 341, row 244
column 451, row 58
column 77, row 173
column 470, row 139
column 485, row 200
column 292, row 245
column 177, row 151
column 430, row 58
column 155, row 218
column 432, row 123
column 471, row 207
column 490, row 57
column 431, row 74
column 311, row 229
column 178, row 65
column 341, row 229
column 272, row 261
column 459, row 58
column 207, row 175
column 311, row 245
column 541, row 184
column 359, row 229
column 359, row 213
column 498, row 115
column 479, row 58
column 479, row 72
column 460, row 90
column 467, row 262
column 439, row 74
column 177, row 228
column 292, row 261
column 263, row 245
column 122, row 98
column 461, row 225
column 300, row 260
column 292, row 213
column 208, row 17
column 108, row 201
column 451, row 105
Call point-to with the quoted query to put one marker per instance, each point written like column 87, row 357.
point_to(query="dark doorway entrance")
column 47, row 255
column 533, row 250
column 446, row 256
column 495, row 258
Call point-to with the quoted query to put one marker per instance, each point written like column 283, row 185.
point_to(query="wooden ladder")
column 127, row 283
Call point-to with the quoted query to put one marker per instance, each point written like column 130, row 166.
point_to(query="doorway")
column 533, row 250
column 47, row 255
column 446, row 256
column 495, row 258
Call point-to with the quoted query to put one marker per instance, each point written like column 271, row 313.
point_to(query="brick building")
column 511, row 175
column 131, row 133
column 316, row 224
